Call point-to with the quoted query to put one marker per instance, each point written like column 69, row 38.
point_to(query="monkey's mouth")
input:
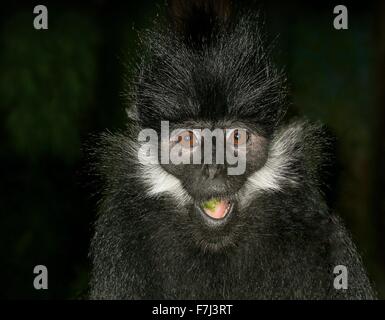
column 216, row 208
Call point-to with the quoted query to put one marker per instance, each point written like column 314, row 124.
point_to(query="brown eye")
column 187, row 139
column 238, row 137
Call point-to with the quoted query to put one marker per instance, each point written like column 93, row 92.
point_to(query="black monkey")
column 192, row 231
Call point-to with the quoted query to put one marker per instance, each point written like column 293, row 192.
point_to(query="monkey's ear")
column 196, row 20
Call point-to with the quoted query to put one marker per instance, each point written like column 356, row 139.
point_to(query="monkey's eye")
column 186, row 139
column 238, row 137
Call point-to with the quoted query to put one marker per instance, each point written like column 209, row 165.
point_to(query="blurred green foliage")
column 47, row 81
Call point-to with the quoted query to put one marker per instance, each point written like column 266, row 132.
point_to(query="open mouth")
column 216, row 208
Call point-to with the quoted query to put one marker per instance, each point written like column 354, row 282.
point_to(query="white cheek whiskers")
column 159, row 182
column 278, row 169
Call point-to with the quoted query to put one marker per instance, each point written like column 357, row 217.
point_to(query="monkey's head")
column 208, row 74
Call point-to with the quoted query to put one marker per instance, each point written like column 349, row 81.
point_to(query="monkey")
column 194, row 231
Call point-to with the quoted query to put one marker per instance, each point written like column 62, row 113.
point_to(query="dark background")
column 59, row 87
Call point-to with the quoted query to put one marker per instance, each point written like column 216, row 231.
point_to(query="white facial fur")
column 159, row 181
column 276, row 172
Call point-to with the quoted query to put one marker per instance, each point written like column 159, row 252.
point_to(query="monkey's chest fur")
column 149, row 257
column 270, row 271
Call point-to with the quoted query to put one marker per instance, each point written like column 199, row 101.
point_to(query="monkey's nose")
column 212, row 171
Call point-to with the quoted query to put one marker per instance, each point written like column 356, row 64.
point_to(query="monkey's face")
column 213, row 153
column 213, row 160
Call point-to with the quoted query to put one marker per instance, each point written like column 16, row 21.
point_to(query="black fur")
column 283, row 244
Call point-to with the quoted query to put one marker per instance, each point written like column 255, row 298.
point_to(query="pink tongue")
column 219, row 212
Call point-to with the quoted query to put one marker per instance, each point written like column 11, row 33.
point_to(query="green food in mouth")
column 211, row 204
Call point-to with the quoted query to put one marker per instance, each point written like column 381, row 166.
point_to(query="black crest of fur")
column 207, row 66
column 229, row 76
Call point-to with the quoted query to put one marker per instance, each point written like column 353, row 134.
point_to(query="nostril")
column 211, row 171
